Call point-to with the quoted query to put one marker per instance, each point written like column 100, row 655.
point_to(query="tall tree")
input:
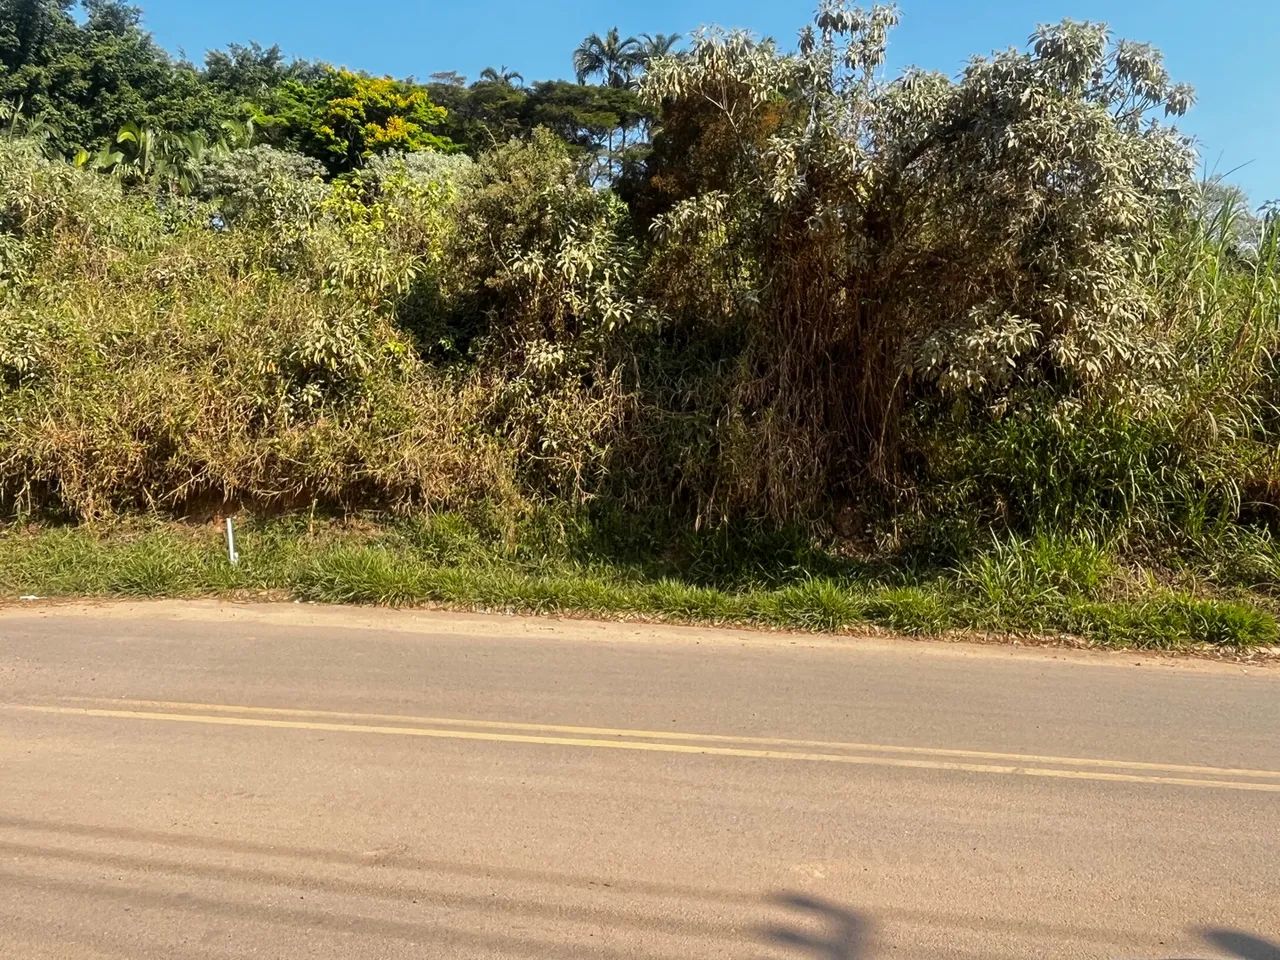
column 447, row 78
column 253, row 72
column 30, row 30
column 487, row 113
column 597, row 122
column 610, row 57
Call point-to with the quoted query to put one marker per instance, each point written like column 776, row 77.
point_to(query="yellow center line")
column 578, row 731
column 648, row 747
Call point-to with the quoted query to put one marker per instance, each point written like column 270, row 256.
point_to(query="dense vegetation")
column 732, row 323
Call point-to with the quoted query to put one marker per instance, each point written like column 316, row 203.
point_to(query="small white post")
column 232, row 554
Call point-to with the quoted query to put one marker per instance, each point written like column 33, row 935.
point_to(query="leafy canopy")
column 86, row 76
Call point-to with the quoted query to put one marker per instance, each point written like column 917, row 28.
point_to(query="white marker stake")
column 232, row 554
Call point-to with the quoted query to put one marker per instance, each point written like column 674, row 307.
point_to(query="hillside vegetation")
column 781, row 340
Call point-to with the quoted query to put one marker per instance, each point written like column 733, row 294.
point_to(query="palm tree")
column 654, row 45
column 610, row 57
column 508, row 78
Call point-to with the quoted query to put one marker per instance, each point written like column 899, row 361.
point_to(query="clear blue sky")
column 1228, row 49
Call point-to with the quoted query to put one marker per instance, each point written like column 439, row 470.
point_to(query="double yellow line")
column 658, row 741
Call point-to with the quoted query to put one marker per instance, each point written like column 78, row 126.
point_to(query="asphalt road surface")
column 217, row 781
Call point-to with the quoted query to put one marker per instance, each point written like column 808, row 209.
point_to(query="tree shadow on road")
column 841, row 934
column 1243, row 945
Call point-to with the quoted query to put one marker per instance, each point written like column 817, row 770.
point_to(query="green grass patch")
column 1173, row 622
column 918, row 610
column 1037, row 586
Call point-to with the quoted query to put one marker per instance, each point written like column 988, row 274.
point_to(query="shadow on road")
column 841, row 934
column 235, row 883
column 1243, row 945
column 379, row 896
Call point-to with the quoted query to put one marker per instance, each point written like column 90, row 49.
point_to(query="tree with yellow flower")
column 357, row 116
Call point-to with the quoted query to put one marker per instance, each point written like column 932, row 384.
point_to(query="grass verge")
column 1041, row 587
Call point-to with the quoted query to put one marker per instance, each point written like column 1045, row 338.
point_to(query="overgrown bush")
column 153, row 364
column 544, row 303
column 924, row 242
column 259, row 182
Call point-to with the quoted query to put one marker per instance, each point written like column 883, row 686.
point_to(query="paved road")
column 216, row 782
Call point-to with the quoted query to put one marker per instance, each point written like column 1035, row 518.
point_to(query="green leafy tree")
column 598, row 123
column 487, row 113
column 283, row 114
column 447, row 78
column 253, row 72
column 88, row 76
column 34, row 34
column 601, row 123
